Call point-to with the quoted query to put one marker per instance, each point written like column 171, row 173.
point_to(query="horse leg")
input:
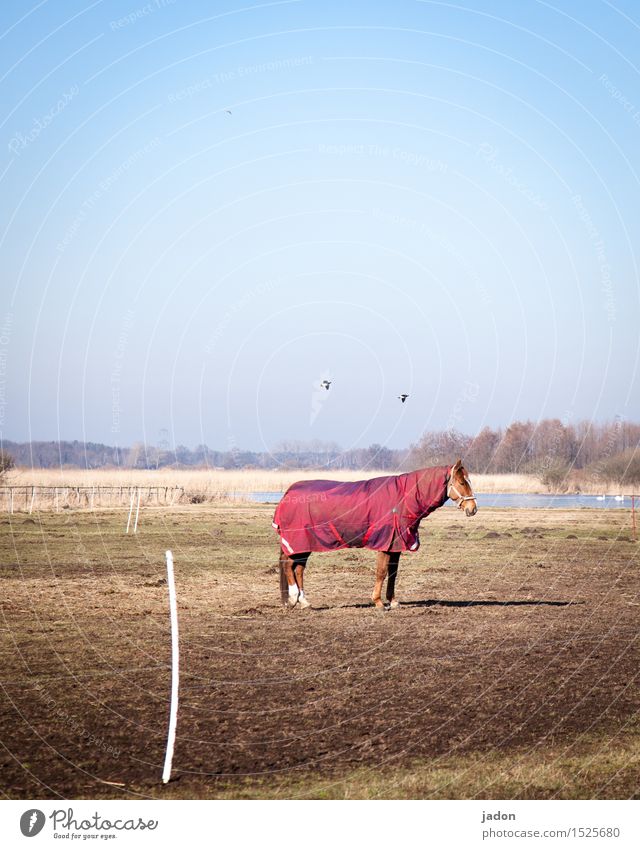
column 382, row 566
column 288, row 586
column 300, row 561
column 394, row 559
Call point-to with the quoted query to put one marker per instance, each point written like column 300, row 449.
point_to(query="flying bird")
column 325, row 384
column 228, row 111
column 403, row 397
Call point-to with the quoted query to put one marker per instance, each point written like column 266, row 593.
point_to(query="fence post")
column 633, row 517
column 175, row 669
column 130, row 511
column 135, row 527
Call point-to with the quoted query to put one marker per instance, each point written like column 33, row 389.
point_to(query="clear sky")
column 209, row 207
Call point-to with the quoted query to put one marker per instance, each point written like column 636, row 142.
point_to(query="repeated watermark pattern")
column 20, row 141
column 408, row 157
column 597, row 241
column 235, row 308
column 490, row 155
column 468, row 395
column 418, row 226
column 232, row 448
column 116, row 372
column 139, row 13
column 104, row 187
column 624, row 101
column 305, row 498
column 74, row 725
column 239, row 73
column 599, row 469
column 5, row 339
column 554, row 455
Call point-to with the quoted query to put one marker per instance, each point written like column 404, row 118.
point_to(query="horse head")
column 459, row 489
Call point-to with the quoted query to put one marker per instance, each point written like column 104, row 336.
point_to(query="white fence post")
column 130, row 510
column 175, row 670
column 135, row 527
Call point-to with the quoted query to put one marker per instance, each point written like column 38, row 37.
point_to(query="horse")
column 382, row 514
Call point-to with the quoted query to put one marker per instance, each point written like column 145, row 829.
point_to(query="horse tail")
column 284, row 586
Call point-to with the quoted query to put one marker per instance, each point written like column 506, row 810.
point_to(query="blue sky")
column 432, row 198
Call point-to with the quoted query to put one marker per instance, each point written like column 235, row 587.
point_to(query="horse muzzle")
column 471, row 511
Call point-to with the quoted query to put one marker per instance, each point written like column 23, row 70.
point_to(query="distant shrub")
column 6, row 464
column 622, row 468
column 196, row 498
column 556, row 478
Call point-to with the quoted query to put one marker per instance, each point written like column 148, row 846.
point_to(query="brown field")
column 509, row 671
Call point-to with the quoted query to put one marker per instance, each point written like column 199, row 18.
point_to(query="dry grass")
column 208, row 481
column 598, row 767
column 508, row 483
column 218, row 482
column 231, row 485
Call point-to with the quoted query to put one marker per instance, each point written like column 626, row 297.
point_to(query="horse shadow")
column 442, row 602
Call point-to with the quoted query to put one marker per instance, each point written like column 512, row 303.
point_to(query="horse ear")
column 458, row 465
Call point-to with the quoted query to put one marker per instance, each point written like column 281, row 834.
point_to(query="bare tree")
column 436, row 448
column 481, row 452
column 514, row 450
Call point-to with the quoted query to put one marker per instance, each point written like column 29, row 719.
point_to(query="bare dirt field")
column 510, row 670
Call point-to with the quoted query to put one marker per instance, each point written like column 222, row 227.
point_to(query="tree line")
column 554, row 450
column 558, row 452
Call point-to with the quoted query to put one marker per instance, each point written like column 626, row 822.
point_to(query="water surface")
column 498, row 499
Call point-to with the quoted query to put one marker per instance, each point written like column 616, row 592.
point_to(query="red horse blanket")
column 382, row 513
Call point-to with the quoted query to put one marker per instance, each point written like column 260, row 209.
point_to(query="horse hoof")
column 393, row 603
column 304, row 603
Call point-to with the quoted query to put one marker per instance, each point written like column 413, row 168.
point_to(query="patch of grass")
column 596, row 768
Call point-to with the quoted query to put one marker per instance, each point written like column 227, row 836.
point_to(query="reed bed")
column 216, row 483
column 82, row 488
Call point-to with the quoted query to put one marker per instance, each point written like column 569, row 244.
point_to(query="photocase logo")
column 32, row 822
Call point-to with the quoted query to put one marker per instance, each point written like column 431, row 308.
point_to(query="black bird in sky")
column 325, row 384
column 403, row 397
